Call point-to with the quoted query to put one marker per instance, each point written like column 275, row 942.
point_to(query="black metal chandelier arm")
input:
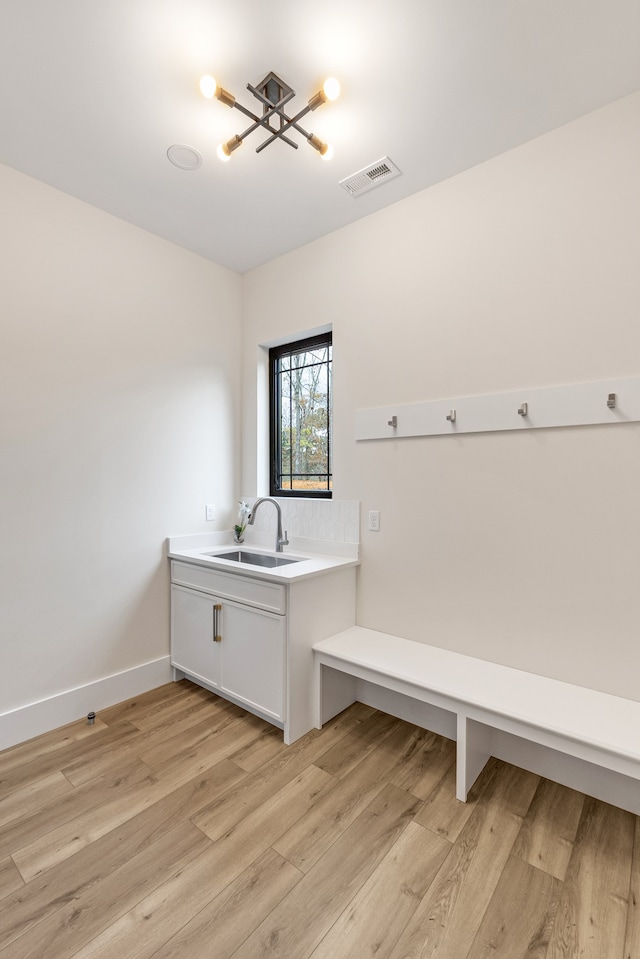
column 274, row 109
column 275, row 134
column 269, row 103
column 290, row 123
column 247, row 113
column 258, row 121
column 279, row 135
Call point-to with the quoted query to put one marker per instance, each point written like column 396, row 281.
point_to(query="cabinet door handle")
column 217, row 638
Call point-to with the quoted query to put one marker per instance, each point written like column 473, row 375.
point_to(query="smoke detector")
column 184, row 157
column 371, row 176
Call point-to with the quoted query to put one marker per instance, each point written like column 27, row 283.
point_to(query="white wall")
column 521, row 548
column 119, row 414
column 119, row 418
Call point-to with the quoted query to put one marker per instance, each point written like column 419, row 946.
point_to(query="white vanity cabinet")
column 193, row 646
column 250, row 639
column 252, row 650
column 229, row 635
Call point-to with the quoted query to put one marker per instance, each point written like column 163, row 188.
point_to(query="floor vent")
column 370, row 177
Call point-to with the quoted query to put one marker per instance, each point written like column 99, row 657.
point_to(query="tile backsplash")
column 337, row 520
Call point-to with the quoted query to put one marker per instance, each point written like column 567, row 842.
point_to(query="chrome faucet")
column 280, row 539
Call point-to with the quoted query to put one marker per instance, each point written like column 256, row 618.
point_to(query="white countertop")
column 322, row 557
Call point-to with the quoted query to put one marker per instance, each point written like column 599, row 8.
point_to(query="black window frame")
column 276, row 353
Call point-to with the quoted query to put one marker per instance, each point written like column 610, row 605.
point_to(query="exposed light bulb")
column 324, row 149
column 225, row 150
column 331, row 88
column 208, row 87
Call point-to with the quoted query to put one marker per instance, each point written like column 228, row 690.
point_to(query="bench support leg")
column 472, row 752
column 334, row 691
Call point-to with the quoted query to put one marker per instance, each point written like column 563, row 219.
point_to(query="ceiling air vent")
column 371, row 176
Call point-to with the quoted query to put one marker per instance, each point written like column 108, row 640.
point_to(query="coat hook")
column 393, row 421
column 611, row 401
column 451, row 416
column 524, row 409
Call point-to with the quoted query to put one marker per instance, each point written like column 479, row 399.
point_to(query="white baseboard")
column 25, row 722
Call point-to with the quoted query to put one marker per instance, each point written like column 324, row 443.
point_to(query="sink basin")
column 254, row 559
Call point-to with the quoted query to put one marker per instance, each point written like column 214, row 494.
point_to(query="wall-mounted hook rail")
column 568, row 405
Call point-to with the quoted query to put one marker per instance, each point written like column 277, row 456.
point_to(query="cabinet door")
column 193, row 648
column 252, row 664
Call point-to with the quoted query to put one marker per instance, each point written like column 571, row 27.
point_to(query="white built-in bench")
column 580, row 737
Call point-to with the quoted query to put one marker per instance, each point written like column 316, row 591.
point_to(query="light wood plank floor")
column 180, row 826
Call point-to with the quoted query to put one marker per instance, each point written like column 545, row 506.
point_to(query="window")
column 300, row 417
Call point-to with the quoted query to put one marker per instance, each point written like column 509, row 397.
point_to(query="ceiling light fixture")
column 274, row 94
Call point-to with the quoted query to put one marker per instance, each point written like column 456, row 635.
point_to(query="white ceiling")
column 92, row 95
